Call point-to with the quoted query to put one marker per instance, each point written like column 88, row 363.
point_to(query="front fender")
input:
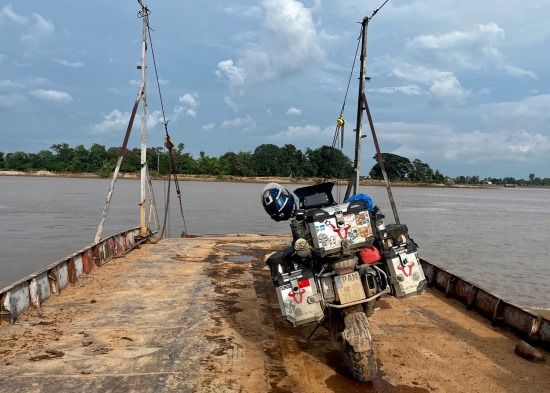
column 357, row 331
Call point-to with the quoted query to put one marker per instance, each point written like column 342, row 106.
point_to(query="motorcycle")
column 342, row 260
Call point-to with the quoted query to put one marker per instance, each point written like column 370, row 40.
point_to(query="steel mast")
column 142, row 225
column 360, row 107
column 141, row 96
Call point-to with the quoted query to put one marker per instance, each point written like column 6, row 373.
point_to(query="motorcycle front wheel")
column 356, row 343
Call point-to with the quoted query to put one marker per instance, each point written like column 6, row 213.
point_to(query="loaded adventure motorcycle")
column 342, row 259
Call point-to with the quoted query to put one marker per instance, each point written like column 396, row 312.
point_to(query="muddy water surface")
column 495, row 238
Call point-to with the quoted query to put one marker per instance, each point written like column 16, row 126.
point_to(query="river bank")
column 242, row 179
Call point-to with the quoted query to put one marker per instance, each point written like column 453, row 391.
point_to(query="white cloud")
column 478, row 48
column 304, row 136
column 188, row 107
column 235, row 74
column 52, row 96
column 117, row 121
column 231, row 104
column 9, row 84
column 38, row 31
column 447, row 90
column 2, row 57
column 114, row 121
column 408, row 90
column 289, row 43
column 243, row 123
column 482, row 38
column 299, row 41
column 39, row 81
column 293, row 111
column 7, row 13
column 490, row 147
column 209, row 126
column 68, row 64
column 516, row 71
column 440, row 142
column 443, row 86
column 531, row 111
column 243, row 11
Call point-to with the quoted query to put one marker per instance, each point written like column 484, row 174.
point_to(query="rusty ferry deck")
column 201, row 315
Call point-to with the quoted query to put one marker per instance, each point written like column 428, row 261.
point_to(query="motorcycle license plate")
column 349, row 287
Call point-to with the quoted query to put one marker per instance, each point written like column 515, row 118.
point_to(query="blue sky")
column 460, row 85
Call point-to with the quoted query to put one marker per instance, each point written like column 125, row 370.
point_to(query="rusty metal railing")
column 527, row 324
column 32, row 290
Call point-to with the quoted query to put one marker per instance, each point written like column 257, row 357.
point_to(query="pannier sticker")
column 338, row 282
column 353, row 235
column 341, row 232
column 327, row 241
column 361, row 219
column 290, row 307
column 304, row 283
column 364, row 232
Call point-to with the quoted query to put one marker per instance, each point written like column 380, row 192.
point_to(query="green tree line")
column 265, row 161
column 402, row 169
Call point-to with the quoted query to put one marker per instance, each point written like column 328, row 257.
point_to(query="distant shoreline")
column 282, row 180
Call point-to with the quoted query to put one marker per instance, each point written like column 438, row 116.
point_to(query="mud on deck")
column 201, row 315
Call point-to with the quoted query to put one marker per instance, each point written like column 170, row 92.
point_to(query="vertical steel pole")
column 360, row 108
column 142, row 225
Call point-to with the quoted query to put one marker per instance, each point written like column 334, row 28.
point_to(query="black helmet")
column 278, row 202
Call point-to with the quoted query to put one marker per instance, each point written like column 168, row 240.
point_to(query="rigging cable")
column 167, row 140
column 340, row 122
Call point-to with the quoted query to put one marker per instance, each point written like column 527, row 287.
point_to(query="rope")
column 144, row 13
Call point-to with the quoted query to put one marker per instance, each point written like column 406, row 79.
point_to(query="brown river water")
column 496, row 238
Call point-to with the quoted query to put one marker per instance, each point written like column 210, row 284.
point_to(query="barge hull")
column 201, row 315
